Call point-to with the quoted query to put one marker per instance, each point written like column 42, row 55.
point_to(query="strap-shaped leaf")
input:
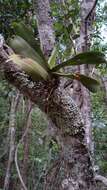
column 30, row 66
column 83, row 58
column 20, row 46
column 90, row 83
column 27, row 34
column 52, row 59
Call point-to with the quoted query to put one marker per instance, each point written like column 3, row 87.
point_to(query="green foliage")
column 31, row 67
column 99, row 119
column 39, row 149
column 40, row 157
column 36, row 66
column 94, row 58
column 4, row 122
column 20, row 46
column 52, row 58
column 90, row 83
column 14, row 11
column 27, row 33
column 99, row 105
column 66, row 25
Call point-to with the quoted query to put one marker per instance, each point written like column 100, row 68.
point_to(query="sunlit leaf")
column 52, row 59
column 30, row 66
column 90, row 83
column 20, row 46
column 83, row 58
column 27, row 34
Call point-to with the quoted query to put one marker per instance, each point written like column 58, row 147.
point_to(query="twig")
column 101, row 179
column 16, row 152
column 12, row 123
column 86, row 21
column 17, row 167
column 91, row 11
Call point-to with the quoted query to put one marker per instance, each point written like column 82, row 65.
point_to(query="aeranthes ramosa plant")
column 29, row 57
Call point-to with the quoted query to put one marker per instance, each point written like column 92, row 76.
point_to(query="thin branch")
column 91, row 11
column 12, row 123
column 16, row 162
column 86, row 21
column 16, row 152
column 101, row 179
column 11, row 158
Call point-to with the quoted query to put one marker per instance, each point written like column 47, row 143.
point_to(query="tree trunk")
column 46, row 34
column 12, row 123
column 81, row 94
column 73, row 169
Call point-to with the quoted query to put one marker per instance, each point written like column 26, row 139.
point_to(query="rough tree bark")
column 81, row 94
column 46, row 34
column 74, row 168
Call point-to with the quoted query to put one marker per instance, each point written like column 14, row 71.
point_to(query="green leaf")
column 30, row 66
column 83, row 58
column 27, row 34
column 90, row 83
column 20, row 46
column 52, row 59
